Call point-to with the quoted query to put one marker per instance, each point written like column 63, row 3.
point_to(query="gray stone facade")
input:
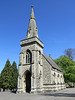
column 37, row 71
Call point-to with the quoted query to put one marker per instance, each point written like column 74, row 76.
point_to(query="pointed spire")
column 32, row 29
column 32, row 13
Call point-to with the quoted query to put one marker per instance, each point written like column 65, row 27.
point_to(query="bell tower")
column 30, row 78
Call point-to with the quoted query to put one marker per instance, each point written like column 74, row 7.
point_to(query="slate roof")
column 51, row 62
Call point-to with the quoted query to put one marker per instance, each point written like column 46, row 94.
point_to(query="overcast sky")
column 55, row 20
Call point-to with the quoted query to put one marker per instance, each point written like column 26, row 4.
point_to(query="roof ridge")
column 51, row 62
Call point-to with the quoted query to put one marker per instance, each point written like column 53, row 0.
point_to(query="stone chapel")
column 38, row 73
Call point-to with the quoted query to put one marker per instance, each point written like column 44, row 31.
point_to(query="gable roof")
column 51, row 62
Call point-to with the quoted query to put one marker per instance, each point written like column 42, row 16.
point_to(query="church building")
column 38, row 73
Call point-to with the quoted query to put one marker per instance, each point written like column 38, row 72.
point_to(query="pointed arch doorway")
column 27, row 81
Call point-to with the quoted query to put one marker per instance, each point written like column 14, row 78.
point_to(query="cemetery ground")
column 66, row 94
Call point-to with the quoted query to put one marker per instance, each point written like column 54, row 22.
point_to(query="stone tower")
column 30, row 76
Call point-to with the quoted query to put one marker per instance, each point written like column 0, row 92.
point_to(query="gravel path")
column 66, row 94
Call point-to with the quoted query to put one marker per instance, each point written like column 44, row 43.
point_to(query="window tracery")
column 28, row 56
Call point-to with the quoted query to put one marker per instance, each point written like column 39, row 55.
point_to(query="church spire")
column 32, row 13
column 32, row 29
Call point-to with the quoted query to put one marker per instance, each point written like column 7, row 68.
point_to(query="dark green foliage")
column 68, row 67
column 6, row 76
column 0, row 81
column 14, row 76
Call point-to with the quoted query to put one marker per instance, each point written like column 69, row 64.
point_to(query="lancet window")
column 28, row 56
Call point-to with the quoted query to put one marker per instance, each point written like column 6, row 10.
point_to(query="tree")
column 0, row 80
column 6, row 76
column 70, row 53
column 68, row 67
column 14, row 76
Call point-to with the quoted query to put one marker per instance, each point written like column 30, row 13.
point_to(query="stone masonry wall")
column 46, row 72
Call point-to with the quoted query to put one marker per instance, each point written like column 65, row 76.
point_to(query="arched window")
column 54, row 78
column 28, row 56
column 58, row 78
